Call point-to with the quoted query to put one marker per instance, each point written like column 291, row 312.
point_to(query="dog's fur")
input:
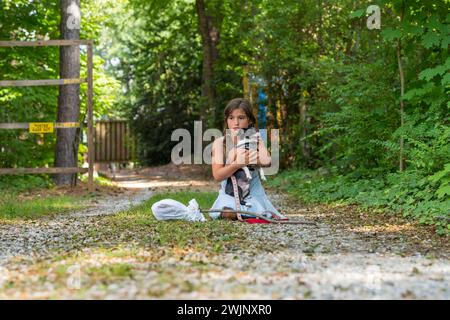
column 248, row 139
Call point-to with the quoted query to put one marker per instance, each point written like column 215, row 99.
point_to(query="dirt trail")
column 347, row 255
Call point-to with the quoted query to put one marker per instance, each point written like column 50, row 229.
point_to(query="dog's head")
column 248, row 138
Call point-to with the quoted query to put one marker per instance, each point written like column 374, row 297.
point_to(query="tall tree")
column 69, row 95
column 402, row 90
column 209, row 24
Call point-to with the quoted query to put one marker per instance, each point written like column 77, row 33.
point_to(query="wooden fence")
column 50, row 126
column 114, row 141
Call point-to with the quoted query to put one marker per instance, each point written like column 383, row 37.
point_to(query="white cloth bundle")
column 168, row 209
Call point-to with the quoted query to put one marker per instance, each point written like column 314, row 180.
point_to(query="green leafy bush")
column 410, row 193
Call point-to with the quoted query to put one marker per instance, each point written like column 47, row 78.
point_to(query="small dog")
column 247, row 139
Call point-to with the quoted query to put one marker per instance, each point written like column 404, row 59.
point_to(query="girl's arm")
column 264, row 158
column 221, row 171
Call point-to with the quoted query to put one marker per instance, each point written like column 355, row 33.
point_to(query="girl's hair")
column 237, row 103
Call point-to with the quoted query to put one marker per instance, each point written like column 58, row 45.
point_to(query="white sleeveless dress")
column 257, row 199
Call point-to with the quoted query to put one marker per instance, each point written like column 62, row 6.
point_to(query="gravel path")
column 41, row 236
column 323, row 261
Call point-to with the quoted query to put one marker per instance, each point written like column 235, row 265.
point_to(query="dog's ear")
column 251, row 131
column 241, row 133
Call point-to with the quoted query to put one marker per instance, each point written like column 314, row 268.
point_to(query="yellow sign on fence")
column 41, row 127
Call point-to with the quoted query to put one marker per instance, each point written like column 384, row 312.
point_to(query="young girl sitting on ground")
column 238, row 115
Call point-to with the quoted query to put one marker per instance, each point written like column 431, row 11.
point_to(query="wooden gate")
column 47, row 127
column 113, row 141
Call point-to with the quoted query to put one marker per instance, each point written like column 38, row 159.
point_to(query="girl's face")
column 236, row 120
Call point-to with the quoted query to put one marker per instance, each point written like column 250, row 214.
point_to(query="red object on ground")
column 256, row 220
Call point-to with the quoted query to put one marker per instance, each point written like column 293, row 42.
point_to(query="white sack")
column 169, row 209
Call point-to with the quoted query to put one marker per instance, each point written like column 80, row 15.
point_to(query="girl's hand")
column 252, row 156
column 245, row 157
column 231, row 155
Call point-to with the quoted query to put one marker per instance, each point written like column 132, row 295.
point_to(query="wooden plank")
column 31, row 83
column 26, row 125
column 103, row 146
column 102, row 141
column 114, row 141
column 125, row 141
column 14, row 125
column 65, row 125
column 118, row 137
column 42, row 170
column 43, row 43
column 111, row 120
column 90, row 111
column 96, row 140
column 111, row 141
column 106, row 139
column 125, row 136
column 121, row 144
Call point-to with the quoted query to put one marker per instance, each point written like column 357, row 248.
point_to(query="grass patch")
column 212, row 235
column 21, row 182
column 33, row 196
column 98, row 180
column 110, row 272
column 131, row 244
column 12, row 207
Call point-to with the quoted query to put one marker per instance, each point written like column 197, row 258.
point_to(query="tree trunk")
column 402, row 92
column 303, row 144
column 210, row 39
column 69, row 95
column 322, row 5
column 284, row 127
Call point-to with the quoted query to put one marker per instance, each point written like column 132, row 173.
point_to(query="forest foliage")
column 366, row 108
